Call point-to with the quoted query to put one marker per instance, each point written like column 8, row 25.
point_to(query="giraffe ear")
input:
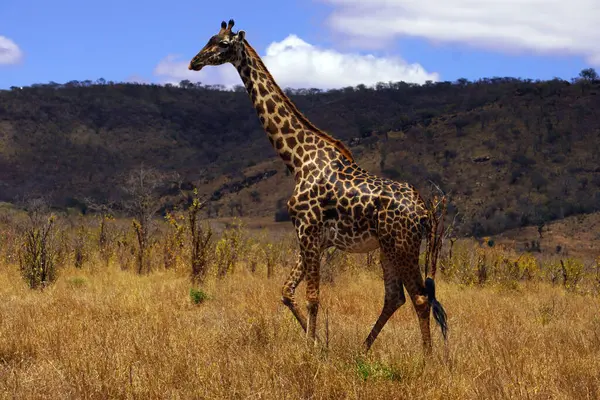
column 240, row 36
column 223, row 26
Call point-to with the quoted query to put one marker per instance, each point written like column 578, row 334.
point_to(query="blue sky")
column 152, row 41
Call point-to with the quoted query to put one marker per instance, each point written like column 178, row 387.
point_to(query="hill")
column 510, row 152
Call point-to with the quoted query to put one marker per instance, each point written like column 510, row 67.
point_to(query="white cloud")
column 9, row 51
column 542, row 26
column 296, row 63
column 135, row 78
column 173, row 70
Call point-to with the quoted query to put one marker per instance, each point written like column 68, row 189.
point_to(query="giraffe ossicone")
column 335, row 202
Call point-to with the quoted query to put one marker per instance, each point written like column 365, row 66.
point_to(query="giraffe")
column 335, row 203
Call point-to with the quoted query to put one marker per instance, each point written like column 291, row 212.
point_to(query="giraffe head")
column 225, row 46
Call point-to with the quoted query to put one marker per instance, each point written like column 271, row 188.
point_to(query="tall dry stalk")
column 37, row 255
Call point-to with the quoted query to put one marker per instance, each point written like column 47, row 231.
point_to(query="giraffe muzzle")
column 196, row 64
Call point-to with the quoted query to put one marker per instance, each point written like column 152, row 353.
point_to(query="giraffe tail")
column 434, row 234
column 439, row 314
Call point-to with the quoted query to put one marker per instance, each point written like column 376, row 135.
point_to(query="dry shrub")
column 472, row 263
column 80, row 256
column 229, row 249
column 201, row 235
column 38, row 255
column 174, row 240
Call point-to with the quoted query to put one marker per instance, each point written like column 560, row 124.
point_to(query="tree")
column 186, row 84
column 142, row 187
column 460, row 123
column 106, row 214
column 588, row 74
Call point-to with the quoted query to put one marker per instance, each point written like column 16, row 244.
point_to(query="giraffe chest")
column 344, row 209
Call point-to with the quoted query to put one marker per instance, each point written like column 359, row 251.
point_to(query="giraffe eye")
column 223, row 44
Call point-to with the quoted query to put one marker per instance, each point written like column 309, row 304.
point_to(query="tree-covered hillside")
column 510, row 152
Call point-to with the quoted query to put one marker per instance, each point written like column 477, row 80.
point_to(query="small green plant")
column 376, row 370
column 198, row 295
column 77, row 281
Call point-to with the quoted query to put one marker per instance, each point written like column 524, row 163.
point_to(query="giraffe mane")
column 329, row 139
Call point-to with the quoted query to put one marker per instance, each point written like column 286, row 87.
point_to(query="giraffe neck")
column 292, row 135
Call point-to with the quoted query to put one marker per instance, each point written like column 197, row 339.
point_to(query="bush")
column 228, row 249
column 38, row 256
column 81, row 254
column 572, row 272
column 201, row 236
column 522, row 160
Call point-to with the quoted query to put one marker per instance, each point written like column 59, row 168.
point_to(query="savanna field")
column 145, row 224
column 89, row 313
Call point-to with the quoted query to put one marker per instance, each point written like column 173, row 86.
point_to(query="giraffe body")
column 347, row 205
column 335, row 203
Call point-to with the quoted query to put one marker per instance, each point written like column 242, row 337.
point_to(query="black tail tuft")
column 438, row 311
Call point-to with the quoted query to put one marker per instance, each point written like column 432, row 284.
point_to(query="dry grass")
column 105, row 333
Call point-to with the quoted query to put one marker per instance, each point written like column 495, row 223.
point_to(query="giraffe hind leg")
column 394, row 298
column 413, row 281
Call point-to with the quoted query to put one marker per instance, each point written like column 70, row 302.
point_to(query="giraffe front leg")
column 309, row 238
column 289, row 288
column 312, row 261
